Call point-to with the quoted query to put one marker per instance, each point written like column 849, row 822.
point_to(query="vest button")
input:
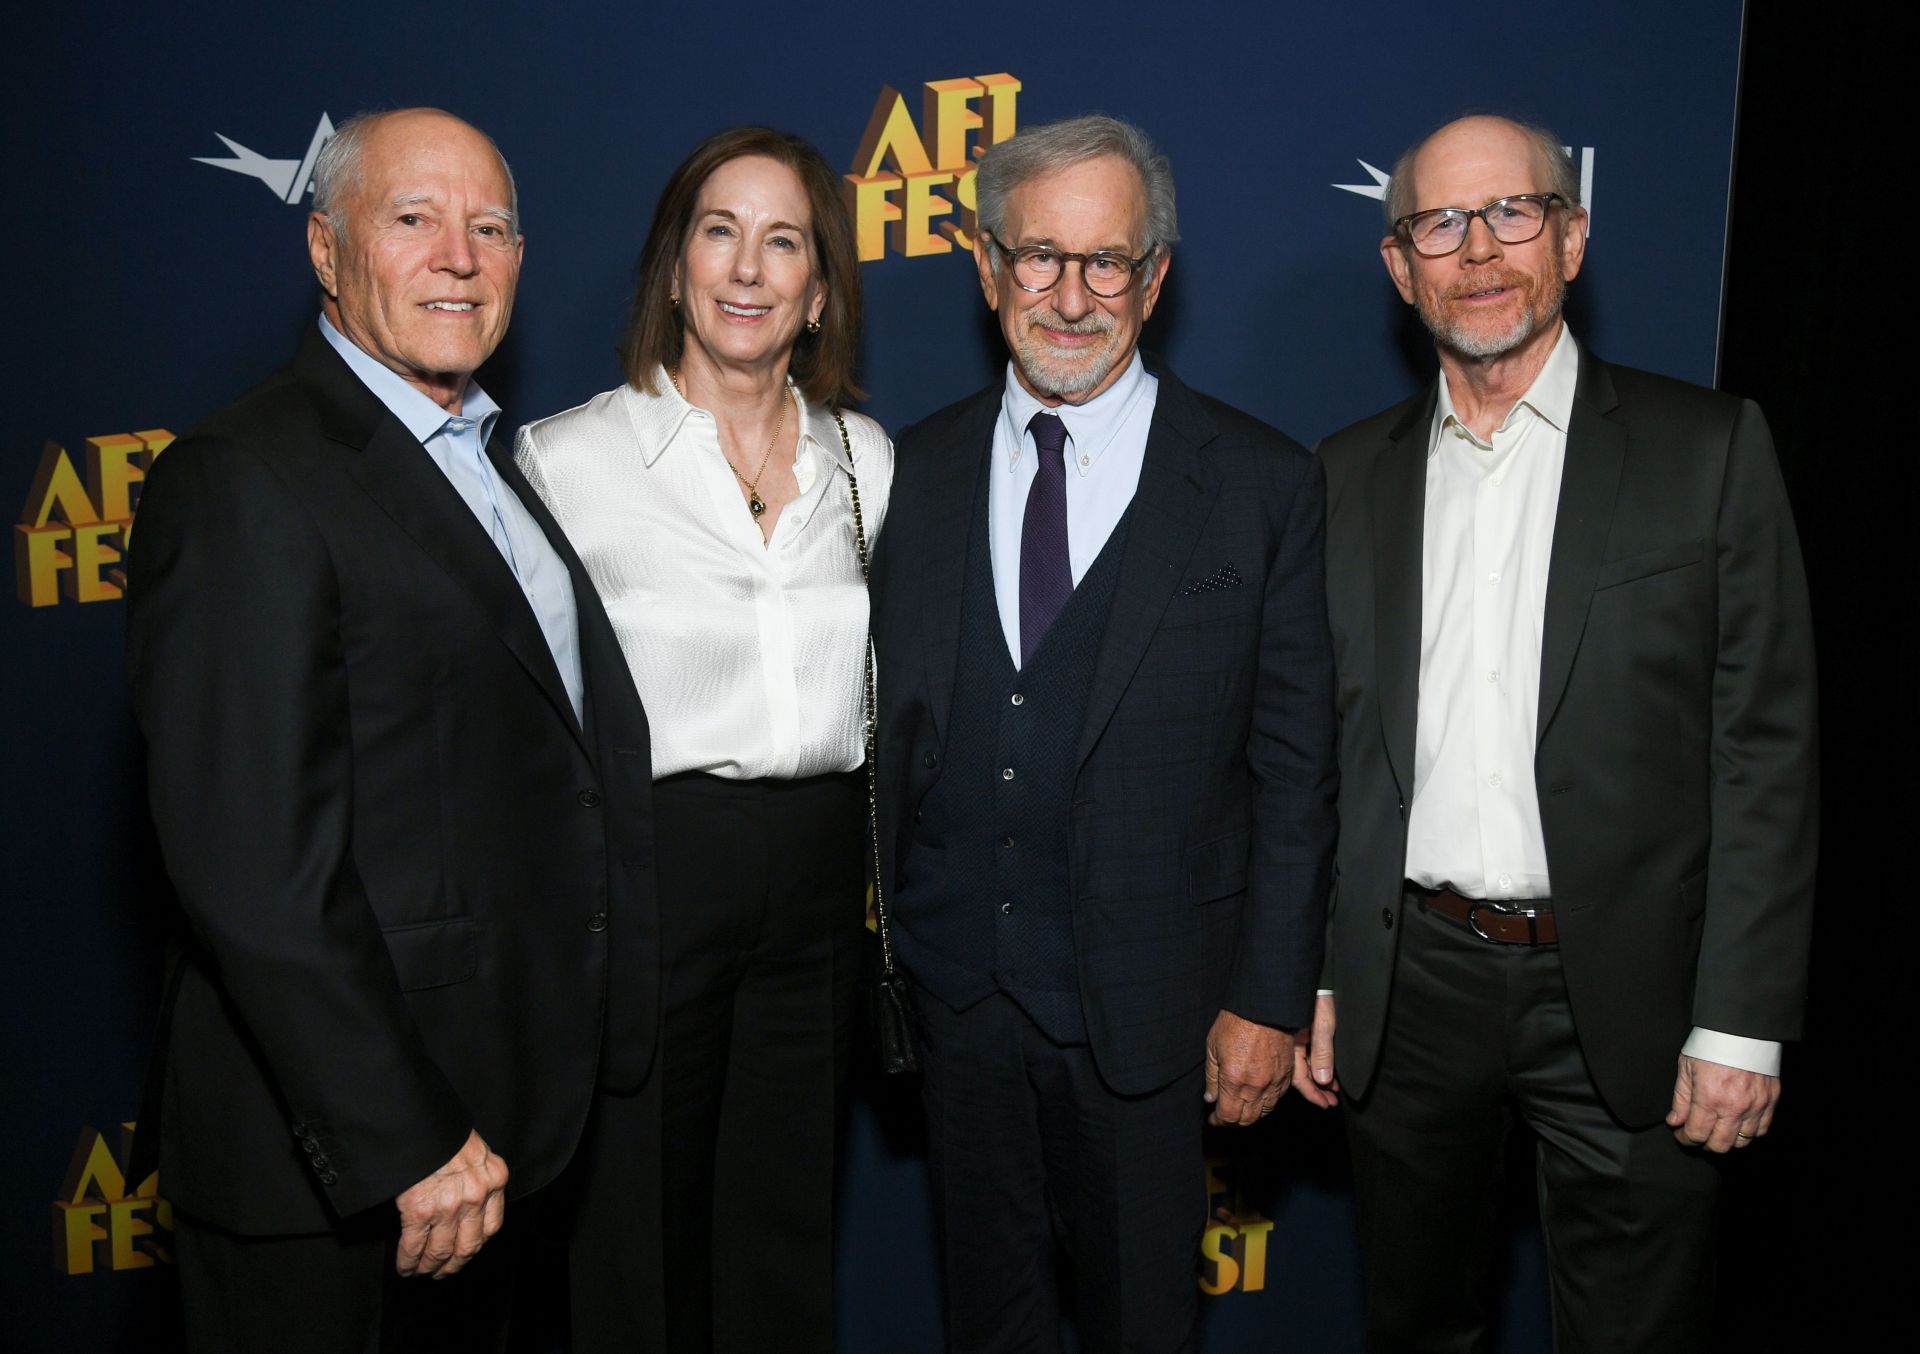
column 597, row 922
column 1386, row 917
column 1019, row 699
column 1006, row 841
column 589, row 799
column 1007, row 774
column 1005, row 908
column 930, row 761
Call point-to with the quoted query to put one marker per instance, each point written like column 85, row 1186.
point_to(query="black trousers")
column 1034, row 1158
column 706, row 1209
column 1479, row 1036
column 337, row 1292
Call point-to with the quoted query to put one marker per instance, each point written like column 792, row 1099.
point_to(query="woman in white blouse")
column 713, row 499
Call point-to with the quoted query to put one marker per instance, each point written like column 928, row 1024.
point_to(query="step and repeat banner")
column 160, row 160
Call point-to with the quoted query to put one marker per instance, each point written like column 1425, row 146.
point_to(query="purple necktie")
column 1046, row 574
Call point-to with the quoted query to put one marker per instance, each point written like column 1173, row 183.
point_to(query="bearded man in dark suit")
column 400, row 778
column 1577, row 799
column 1106, row 775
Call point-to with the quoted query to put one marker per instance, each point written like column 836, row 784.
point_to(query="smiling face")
column 1068, row 345
column 1487, row 299
column 746, row 279
column 423, row 279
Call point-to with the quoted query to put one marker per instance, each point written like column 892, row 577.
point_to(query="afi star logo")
column 288, row 179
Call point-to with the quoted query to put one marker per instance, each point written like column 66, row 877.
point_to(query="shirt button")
column 1505, row 881
column 1085, row 461
column 1499, row 480
column 1019, row 699
column 1493, row 678
column 1494, row 780
column 1493, row 577
column 589, row 799
column 597, row 922
column 1007, row 774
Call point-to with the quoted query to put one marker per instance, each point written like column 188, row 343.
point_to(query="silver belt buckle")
column 1473, row 920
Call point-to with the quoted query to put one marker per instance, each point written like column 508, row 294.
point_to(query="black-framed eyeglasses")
column 1442, row 230
column 1039, row 267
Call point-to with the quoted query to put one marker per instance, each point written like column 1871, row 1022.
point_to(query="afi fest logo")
column 911, row 190
column 1377, row 190
column 1233, row 1249
column 73, row 533
column 101, row 1223
column 288, row 180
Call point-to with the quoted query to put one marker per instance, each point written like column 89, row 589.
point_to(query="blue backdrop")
column 156, row 267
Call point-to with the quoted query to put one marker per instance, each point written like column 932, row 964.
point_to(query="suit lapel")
column 1397, row 490
column 1170, row 506
column 395, row 471
column 1589, row 484
column 954, row 488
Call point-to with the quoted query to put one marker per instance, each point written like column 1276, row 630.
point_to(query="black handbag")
column 884, row 992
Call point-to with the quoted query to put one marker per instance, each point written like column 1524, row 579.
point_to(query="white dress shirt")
column 1106, row 446
column 457, row 445
column 748, row 655
column 1474, row 823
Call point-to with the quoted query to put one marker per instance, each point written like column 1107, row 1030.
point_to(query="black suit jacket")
column 1675, row 748
column 1202, row 808
column 409, row 875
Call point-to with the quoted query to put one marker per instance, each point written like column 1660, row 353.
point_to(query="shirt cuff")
column 1734, row 1050
column 1324, row 992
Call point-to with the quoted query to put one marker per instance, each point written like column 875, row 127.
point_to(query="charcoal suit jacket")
column 416, row 891
column 1202, row 804
column 1675, row 743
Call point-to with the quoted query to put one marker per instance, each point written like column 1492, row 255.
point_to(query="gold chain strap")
column 872, row 718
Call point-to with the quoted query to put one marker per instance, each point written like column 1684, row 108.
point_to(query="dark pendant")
column 754, row 505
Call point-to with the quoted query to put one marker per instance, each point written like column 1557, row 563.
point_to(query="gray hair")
column 1056, row 145
column 1562, row 177
column 336, row 170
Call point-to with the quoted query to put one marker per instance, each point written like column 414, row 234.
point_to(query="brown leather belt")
column 1525, row 922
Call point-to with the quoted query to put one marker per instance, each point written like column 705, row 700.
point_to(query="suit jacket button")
column 1006, row 908
column 930, row 761
column 589, row 799
column 1386, row 917
column 329, row 1178
column 597, row 922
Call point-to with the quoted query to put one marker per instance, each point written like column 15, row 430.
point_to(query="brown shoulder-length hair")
column 822, row 363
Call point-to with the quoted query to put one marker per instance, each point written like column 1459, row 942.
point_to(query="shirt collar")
column 1090, row 426
column 657, row 419
column 1549, row 397
column 418, row 414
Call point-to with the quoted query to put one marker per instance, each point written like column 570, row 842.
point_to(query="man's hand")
column 1720, row 1107
column 1313, row 1058
column 1247, row 1069
column 447, row 1218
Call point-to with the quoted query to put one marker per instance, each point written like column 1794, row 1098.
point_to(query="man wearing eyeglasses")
column 1106, row 775
column 1577, row 799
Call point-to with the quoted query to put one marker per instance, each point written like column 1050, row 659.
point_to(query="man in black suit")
column 400, row 778
column 1106, row 774
column 1577, row 796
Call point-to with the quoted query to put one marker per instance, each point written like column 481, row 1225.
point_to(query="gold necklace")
column 755, row 504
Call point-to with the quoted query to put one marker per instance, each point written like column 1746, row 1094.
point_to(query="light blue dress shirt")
column 457, row 443
column 1106, row 446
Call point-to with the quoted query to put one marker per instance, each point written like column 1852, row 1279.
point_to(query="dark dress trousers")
column 1675, row 767
column 1180, row 845
column 417, row 891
